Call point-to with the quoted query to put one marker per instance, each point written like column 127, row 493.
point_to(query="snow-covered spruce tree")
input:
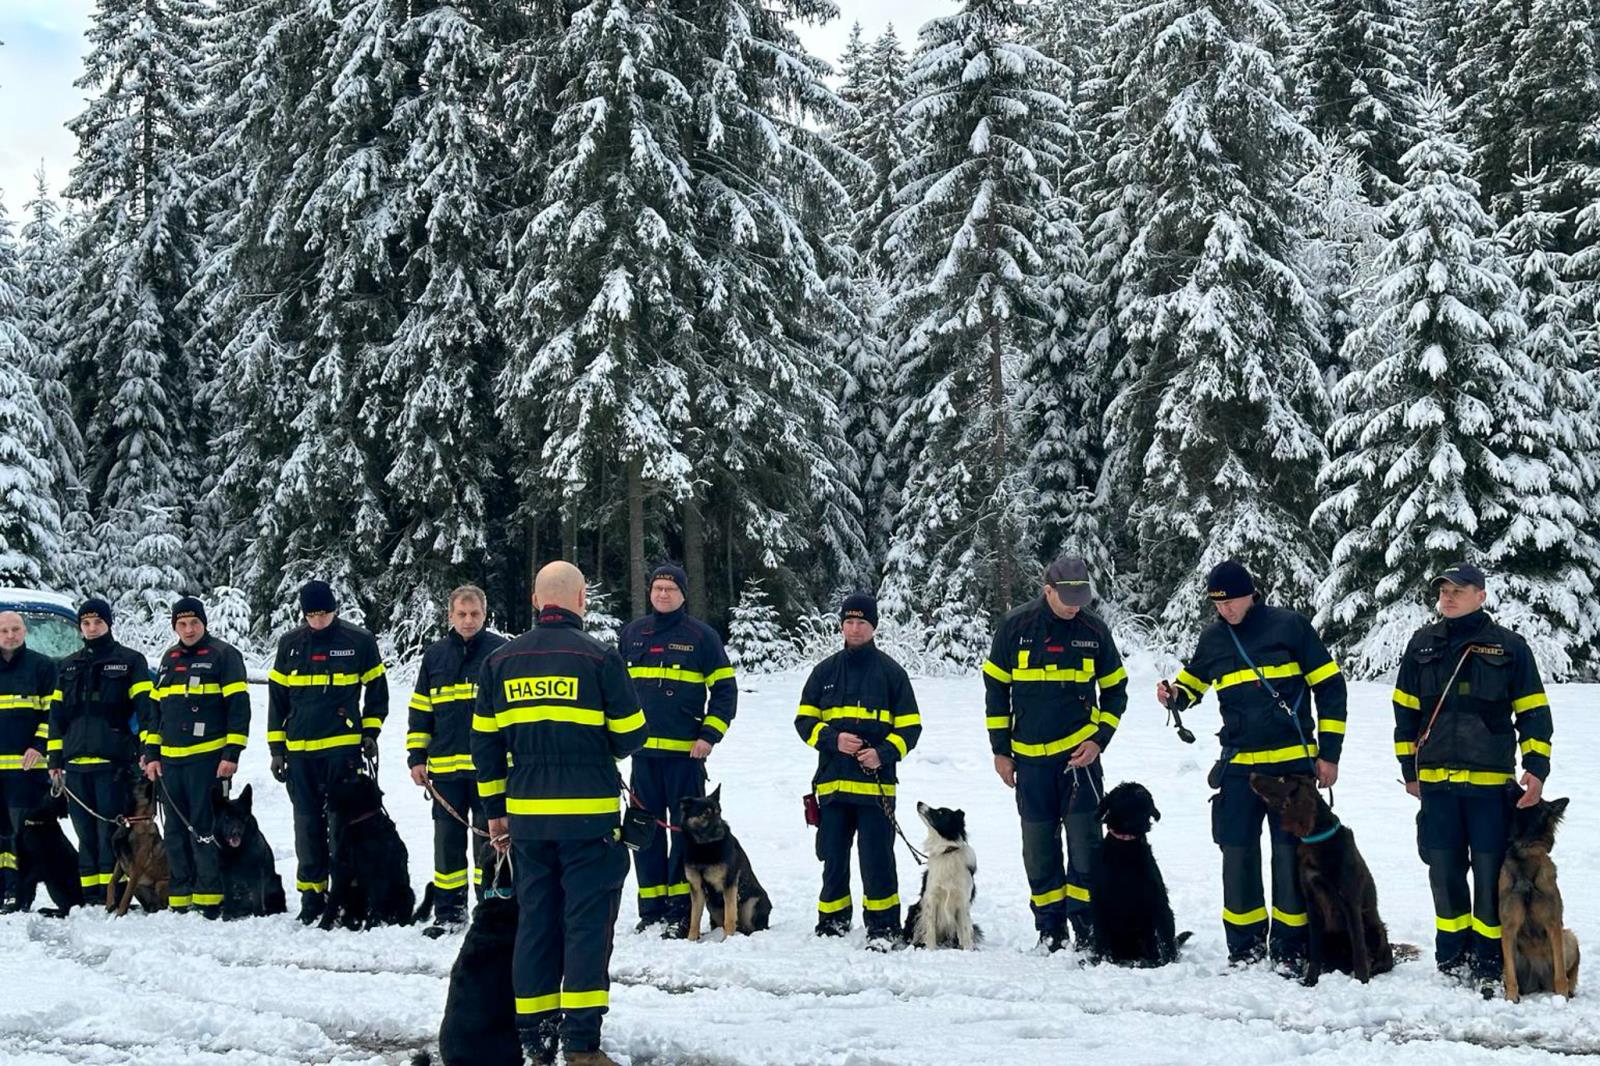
column 863, row 404
column 1489, row 105
column 600, row 620
column 1356, row 67
column 1342, row 243
column 875, row 86
column 1223, row 338
column 756, row 643
column 969, row 236
column 135, row 257
column 1433, row 458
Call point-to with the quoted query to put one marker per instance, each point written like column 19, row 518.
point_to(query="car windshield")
column 52, row 635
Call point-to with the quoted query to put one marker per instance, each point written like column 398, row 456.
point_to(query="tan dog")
column 721, row 881
column 141, row 857
column 1539, row 955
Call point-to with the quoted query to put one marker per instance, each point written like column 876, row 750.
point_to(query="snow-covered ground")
column 169, row 990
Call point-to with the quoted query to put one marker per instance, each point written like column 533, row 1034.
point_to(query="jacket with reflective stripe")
column 1256, row 733
column 560, row 705
column 439, row 728
column 315, row 704
column 201, row 703
column 1496, row 707
column 27, row 692
column 861, row 691
column 105, row 690
column 1052, row 683
column 683, row 679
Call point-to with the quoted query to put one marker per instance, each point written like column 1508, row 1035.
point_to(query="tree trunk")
column 640, row 593
column 1001, row 529
column 569, row 534
column 694, row 555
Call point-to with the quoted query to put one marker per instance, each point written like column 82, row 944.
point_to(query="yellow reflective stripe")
column 1106, row 718
column 1196, row 687
column 207, row 899
column 1055, row 895
column 994, row 671
column 152, row 738
column 373, row 674
column 664, row 744
column 679, row 889
column 626, row 725
column 1115, row 677
column 1406, row 699
column 418, row 740
column 1322, row 673
column 464, row 690
column 311, row 886
column 1459, row 924
column 450, row 764
column 898, row 742
column 1484, row 929
column 371, row 723
column 652, row 891
column 545, row 713
column 1240, row 677
column 1405, row 747
column 1442, row 775
column 56, row 745
column 93, row 880
column 808, row 711
column 854, row 788
column 1529, row 747
column 901, row 721
column 347, row 741
column 1055, row 747
column 561, row 807
column 667, row 673
column 1244, row 917
column 538, row 1004
column 833, row 906
column 274, row 736
column 175, row 751
column 139, row 688
column 278, row 677
column 999, row 721
column 816, row 734
column 8, row 860
column 43, row 732
column 716, row 723
column 492, row 788
column 1287, row 918
column 452, row 879
column 1055, row 675
column 1330, row 725
column 723, row 673
column 484, row 724
column 177, row 902
column 1256, row 758
column 880, row 904
column 299, row 680
column 12, row 762
column 233, row 688
column 189, row 690
column 54, row 697
column 856, row 711
column 419, row 702
column 1529, row 703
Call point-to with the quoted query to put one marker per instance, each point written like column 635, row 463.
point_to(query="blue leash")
column 1292, row 712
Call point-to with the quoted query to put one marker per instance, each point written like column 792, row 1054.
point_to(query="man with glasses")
column 328, row 697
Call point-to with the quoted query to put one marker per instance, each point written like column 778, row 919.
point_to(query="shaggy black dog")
column 369, row 879
column 45, row 857
column 1133, row 924
column 250, row 883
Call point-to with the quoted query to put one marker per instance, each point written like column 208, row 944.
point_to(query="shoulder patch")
column 681, row 647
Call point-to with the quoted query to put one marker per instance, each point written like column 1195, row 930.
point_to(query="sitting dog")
column 942, row 918
column 141, row 856
column 718, row 870
column 46, row 857
column 1539, row 955
column 250, row 883
column 1345, row 931
column 1132, row 919
column 369, row 880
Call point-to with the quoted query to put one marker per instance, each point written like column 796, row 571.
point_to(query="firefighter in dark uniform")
column 1468, row 699
column 556, row 711
column 1055, row 690
column 1266, row 663
column 97, row 732
column 317, row 726
column 439, row 749
column 686, row 687
column 199, row 728
column 858, row 710
column 27, row 693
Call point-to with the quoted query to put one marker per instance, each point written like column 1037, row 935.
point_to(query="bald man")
column 561, row 705
column 27, row 692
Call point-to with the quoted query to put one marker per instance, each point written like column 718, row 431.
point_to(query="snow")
column 176, row 990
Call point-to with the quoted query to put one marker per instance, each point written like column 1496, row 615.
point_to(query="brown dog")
column 1539, row 955
column 141, row 857
column 1345, row 932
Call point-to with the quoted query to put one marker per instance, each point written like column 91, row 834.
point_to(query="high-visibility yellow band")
column 808, row 711
column 311, row 886
column 1528, row 747
column 713, row 722
column 883, row 904
column 373, row 674
column 492, row 788
column 418, row 740
column 1407, row 700
column 666, row 744
column 234, row 688
column 1254, row 917
column 903, row 721
column 1058, row 895
column 276, row 736
column 994, row 671
column 419, row 702
column 178, row 903
column 1196, row 687
column 1289, row 754
column 541, row 713
column 1106, row 718
column 833, row 906
column 816, row 734
column 299, row 680
column 1053, row 674
column 724, row 673
column 1405, row 747
column 56, row 745
column 1241, row 677
column 1444, row 775
column 1296, row 920
column 450, row 879
column 561, row 807
column 1458, row 924
column 899, row 743
column 174, row 751
column 998, row 721
column 1055, row 747
column 538, row 1004
column 626, row 725
column 1330, row 725
column 85, row 760
column 450, row 764
column 1484, row 929
column 1322, row 673
column 667, row 673
column 349, row 740
column 1115, row 677
column 1529, row 703
column 140, row 688
column 207, row 899
column 854, row 788
column 372, row 723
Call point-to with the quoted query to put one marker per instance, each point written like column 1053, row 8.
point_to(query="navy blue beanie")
column 317, row 596
column 671, row 572
column 862, row 605
column 1229, row 580
column 98, row 607
column 189, row 606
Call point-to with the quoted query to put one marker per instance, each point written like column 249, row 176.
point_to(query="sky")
column 43, row 50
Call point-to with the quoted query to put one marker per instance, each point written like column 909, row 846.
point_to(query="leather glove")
column 280, row 767
column 369, row 747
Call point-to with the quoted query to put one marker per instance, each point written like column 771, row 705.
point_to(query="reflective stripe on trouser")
column 1237, row 814
column 196, row 867
column 107, row 789
column 568, row 892
column 1050, row 797
column 21, row 793
column 310, row 778
column 880, row 883
column 1460, row 830
column 454, row 863
column 659, row 783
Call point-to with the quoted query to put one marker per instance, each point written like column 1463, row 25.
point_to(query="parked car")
column 52, row 620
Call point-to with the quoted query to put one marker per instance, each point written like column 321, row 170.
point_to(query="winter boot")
column 311, row 905
column 832, row 927
column 1051, row 941
column 1082, row 930
column 539, row 1046
column 589, row 1058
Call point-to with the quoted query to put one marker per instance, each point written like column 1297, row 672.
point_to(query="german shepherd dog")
column 719, row 873
column 1539, row 955
column 141, row 856
column 1345, row 932
column 942, row 918
column 369, row 879
column 45, row 857
column 250, row 883
column 1133, row 923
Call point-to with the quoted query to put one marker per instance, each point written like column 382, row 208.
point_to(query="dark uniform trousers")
column 452, row 858
column 196, row 866
column 659, row 784
column 1051, row 797
column 843, row 822
column 310, row 778
column 21, row 793
column 1236, row 817
column 1462, row 831
column 108, row 789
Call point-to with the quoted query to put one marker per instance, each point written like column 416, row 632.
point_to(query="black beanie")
column 1229, row 580
column 671, row 572
column 862, row 605
column 189, row 606
column 317, row 596
column 96, row 606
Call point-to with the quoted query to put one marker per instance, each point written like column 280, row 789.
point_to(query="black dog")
column 46, row 857
column 719, row 874
column 369, row 883
column 1133, row 924
column 942, row 918
column 250, row 883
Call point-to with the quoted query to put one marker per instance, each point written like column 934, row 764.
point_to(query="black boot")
column 1082, row 930
column 211, row 912
column 1051, row 940
column 449, row 915
column 833, row 926
column 311, row 904
column 540, row 1045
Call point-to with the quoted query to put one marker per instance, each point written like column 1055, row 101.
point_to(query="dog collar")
column 1317, row 838
column 497, row 893
column 1114, row 835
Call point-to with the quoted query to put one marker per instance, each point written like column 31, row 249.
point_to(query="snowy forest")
column 405, row 293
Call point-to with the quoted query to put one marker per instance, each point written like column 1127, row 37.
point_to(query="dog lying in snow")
column 942, row 918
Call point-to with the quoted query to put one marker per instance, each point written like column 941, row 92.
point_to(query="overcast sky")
column 43, row 55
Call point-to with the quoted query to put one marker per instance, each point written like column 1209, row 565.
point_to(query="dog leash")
column 428, row 790
column 59, row 787
column 633, row 801
column 888, row 812
column 173, row 809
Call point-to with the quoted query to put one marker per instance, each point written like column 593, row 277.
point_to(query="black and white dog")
column 1133, row 924
column 942, row 918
